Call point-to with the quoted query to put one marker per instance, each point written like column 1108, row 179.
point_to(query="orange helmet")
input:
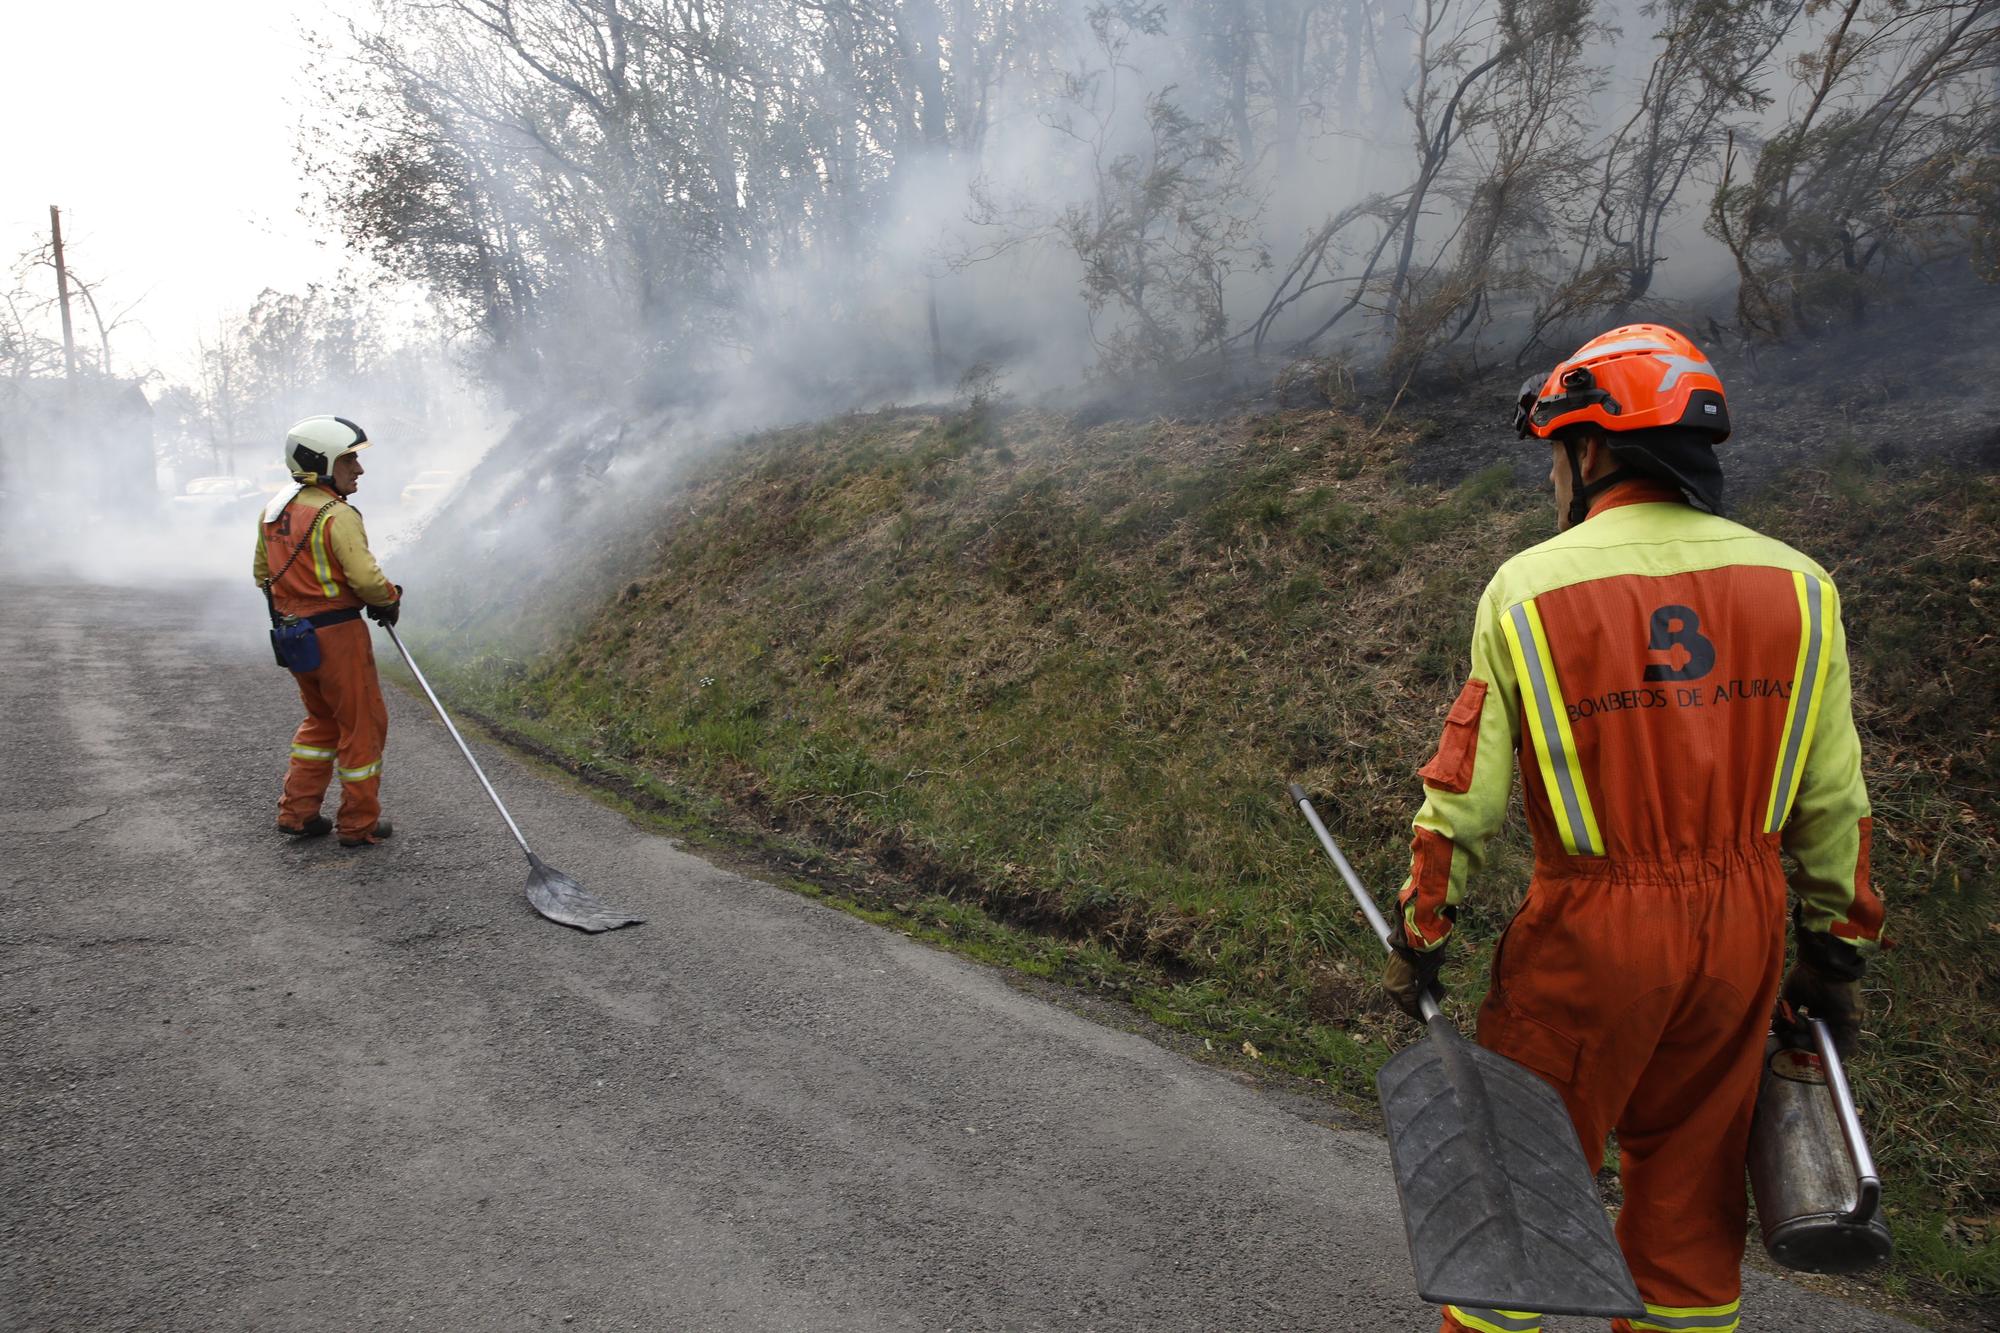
column 1636, row 377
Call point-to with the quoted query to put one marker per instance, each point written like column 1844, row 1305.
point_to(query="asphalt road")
column 257, row 1084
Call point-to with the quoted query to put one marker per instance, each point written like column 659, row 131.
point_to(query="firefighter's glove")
column 388, row 615
column 1825, row 983
column 1409, row 974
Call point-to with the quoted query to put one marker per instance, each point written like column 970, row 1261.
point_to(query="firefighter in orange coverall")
column 324, row 573
column 1676, row 688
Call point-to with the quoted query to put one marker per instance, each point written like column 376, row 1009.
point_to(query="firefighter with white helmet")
column 314, row 566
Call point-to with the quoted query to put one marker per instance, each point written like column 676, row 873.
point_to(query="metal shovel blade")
column 1498, row 1202
column 561, row 899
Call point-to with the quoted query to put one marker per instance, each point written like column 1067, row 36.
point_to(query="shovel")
column 553, row 894
column 1498, row 1203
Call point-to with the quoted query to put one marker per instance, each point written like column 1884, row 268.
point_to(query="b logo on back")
column 1676, row 634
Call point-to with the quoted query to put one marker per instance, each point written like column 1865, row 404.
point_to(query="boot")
column 316, row 827
column 383, row 832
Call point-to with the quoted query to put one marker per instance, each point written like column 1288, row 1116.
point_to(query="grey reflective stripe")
column 1678, row 366
column 1690, row 1323
column 1801, row 706
column 1551, row 727
column 1624, row 345
column 1501, row 1319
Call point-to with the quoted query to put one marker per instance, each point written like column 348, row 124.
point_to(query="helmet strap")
column 1582, row 492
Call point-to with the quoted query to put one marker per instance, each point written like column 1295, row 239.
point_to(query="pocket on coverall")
column 1450, row 769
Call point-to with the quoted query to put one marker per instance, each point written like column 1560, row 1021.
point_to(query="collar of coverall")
column 1639, row 491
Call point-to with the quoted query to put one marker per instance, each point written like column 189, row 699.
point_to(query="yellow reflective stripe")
column 1496, row 1321
column 1816, row 619
column 1548, row 720
column 1689, row 1318
column 321, row 569
column 361, row 774
column 313, row 753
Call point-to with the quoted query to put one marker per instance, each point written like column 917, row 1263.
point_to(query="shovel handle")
column 1867, row 1182
column 463, row 748
column 1426, row 1001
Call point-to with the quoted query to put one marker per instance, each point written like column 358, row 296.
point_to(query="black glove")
column 387, row 615
column 1408, row 974
column 1825, row 983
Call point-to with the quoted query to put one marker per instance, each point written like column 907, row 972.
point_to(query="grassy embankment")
column 1047, row 687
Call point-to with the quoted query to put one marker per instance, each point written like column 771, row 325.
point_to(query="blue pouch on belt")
column 295, row 644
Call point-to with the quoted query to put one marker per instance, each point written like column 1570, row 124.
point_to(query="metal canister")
column 1817, row 1191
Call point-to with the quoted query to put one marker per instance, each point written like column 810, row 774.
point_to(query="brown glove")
column 1409, row 974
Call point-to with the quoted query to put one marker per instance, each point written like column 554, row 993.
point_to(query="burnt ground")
column 1918, row 381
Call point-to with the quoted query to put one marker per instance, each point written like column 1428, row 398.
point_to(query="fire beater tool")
column 553, row 894
column 1498, row 1204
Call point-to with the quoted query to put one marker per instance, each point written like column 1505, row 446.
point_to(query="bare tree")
column 1457, row 44
column 223, row 395
column 1709, row 58
column 1523, row 170
column 25, row 353
column 1167, row 217
column 1887, row 162
column 629, row 194
column 32, row 300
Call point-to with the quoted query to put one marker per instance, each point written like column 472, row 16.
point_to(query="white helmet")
column 313, row 445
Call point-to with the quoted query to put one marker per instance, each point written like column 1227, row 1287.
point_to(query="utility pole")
column 937, row 343
column 62, row 293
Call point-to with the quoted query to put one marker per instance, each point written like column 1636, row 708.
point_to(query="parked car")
column 214, row 497
column 429, row 487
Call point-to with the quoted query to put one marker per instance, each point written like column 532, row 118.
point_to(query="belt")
column 325, row 618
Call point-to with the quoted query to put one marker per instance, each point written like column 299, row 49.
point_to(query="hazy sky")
column 165, row 132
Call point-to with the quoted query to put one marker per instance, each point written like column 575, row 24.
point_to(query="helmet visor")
column 1524, row 406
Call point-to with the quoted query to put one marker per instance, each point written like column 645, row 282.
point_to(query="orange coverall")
column 345, row 716
column 1676, row 688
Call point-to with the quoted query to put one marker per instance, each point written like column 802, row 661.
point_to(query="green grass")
column 1049, row 686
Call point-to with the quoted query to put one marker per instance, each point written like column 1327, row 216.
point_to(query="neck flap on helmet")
column 1681, row 456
